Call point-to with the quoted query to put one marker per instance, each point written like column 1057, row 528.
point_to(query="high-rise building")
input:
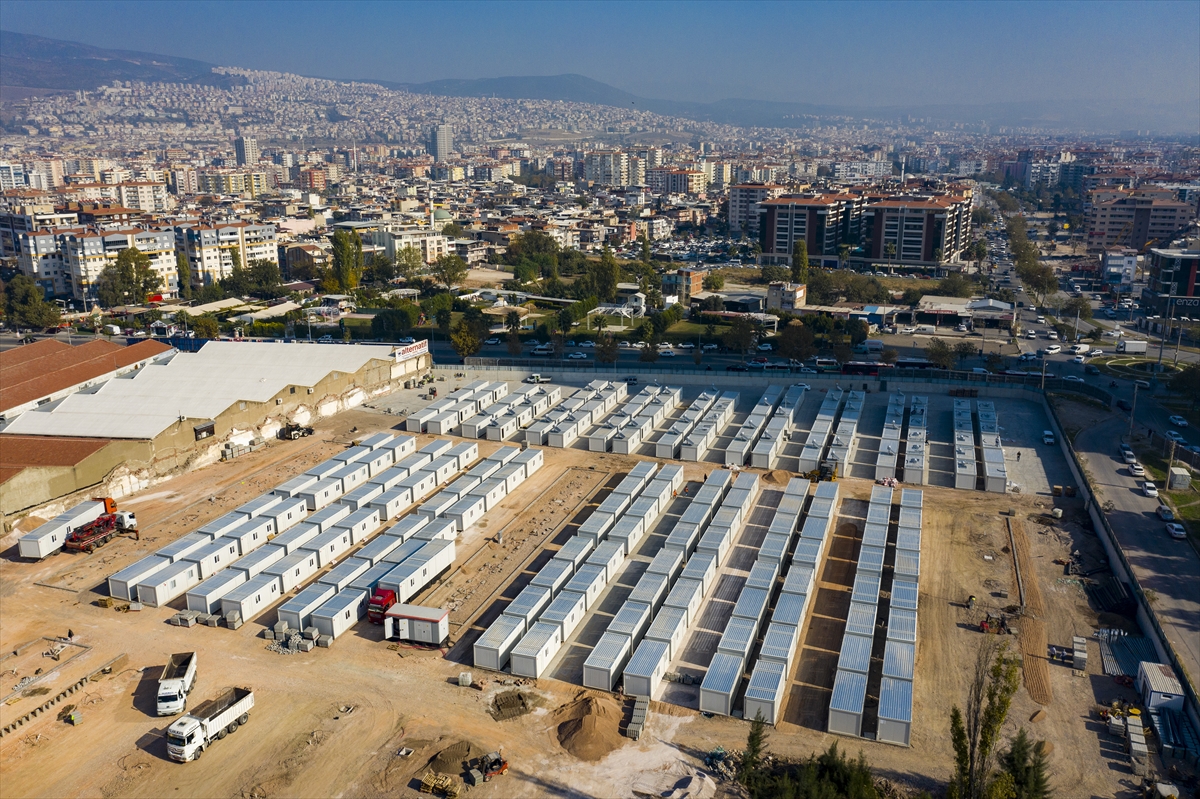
column 246, row 150
column 12, row 176
column 1145, row 216
column 743, row 206
column 441, row 142
column 607, row 168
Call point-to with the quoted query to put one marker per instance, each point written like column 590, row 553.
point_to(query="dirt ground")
column 331, row 722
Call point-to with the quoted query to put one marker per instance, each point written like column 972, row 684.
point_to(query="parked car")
column 1176, row 530
column 1149, row 489
column 687, row 345
column 1178, row 421
column 1137, row 470
column 764, row 347
column 588, row 344
column 1073, row 379
column 709, row 348
column 1165, row 513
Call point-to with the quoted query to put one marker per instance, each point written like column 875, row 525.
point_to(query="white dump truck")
column 211, row 721
column 175, row 683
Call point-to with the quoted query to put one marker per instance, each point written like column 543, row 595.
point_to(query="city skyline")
column 948, row 54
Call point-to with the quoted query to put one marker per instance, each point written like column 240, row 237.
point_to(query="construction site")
column 535, row 589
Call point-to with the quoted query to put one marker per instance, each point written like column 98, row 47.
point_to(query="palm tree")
column 889, row 250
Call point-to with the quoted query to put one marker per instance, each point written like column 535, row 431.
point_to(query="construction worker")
column 971, row 602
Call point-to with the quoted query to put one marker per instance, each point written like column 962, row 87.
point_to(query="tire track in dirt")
column 1035, row 669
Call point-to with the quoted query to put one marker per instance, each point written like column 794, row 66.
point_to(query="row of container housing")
column 628, row 426
column 821, row 431
column 889, row 443
column 446, row 415
column 778, row 429
column 502, row 419
column 703, row 435
column 916, row 443
column 669, row 442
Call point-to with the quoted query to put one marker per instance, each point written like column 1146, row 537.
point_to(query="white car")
column 1031, row 334
column 764, row 347
column 577, row 356
column 667, row 354
column 1047, row 437
column 1175, row 530
column 588, row 345
column 492, row 341
column 1178, row 421
column 1073, row 379
column 1052, row 335
column 1149, row 489
column 1137, row 470
column 1078, row 359
column 1053, row 349
column 687, row 345
column 709, row 348
column 909, row 330
column 1041, row 320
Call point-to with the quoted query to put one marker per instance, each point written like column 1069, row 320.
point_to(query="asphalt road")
column 1168, row 567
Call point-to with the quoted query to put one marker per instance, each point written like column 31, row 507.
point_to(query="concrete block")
column 305, row 645
column 310, row 633
column 325, row 641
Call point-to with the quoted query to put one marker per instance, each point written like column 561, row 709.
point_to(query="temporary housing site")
column 181, row 409
column 695, row 566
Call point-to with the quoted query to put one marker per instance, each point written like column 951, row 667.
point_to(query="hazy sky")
column 851, row 53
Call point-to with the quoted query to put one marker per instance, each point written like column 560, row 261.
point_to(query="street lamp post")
column 1179, row 339
column 1132, row 411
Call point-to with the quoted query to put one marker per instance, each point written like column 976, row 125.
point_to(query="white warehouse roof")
column 199, row 385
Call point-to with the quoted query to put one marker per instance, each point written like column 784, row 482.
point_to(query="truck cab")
column 381, row 600
column 177, row 680
column 185, row 739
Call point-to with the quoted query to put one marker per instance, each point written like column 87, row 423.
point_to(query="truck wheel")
column 233, row 725
column 242, row 719
column 198, row 753
column 222, row 734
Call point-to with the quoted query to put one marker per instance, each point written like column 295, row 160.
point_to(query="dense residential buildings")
column 743, row 206
column 1137, row 218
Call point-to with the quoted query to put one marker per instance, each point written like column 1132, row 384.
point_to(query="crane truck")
column 211, row 721
column 102, row 529
column 175, row 683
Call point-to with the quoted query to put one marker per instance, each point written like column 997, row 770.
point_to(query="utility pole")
column 1179, row 339
column 1044, row 374
column 1132, row 411
column 1162, row 339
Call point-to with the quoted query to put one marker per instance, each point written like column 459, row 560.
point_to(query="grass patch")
column 1185, row 503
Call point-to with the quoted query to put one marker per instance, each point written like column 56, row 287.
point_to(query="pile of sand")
column 454, row 758
column 777, row 477
column 589, row 727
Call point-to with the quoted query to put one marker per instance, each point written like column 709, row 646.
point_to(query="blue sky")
column 848, row 53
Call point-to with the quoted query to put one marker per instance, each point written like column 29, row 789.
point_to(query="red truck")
column 381, row 600
column 102, row 529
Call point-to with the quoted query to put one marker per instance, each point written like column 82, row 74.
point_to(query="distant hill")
column 34, row 62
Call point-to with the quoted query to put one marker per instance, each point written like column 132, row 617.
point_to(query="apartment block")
column 1137, row 219
column 1172, row 272
column 606, row 168
column 86, row 252
column 922, row 230
column 209, row 248
column 786, row 296
column 743, row 206
column 683, row 283
column 822, row 222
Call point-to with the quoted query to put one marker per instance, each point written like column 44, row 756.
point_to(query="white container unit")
column 206, row 596
column 378, row 461
column 687, row 596
column 294, row 486
column 259, row 560
column 701, row 566
column 325, row 468
column 738, row 638
column 846, row 704
column 346, row 572
column 352, row 454
column 529, row 604
column 392, row 502
column 603, row 666
column 378, row 440
column 597, row 525
column 252, row 597
column 341, row 612
column 766, row 691
column 645, row 670
column 466, row 453
column 375, row 550
column 442, row 468
column 51, row 536
column 436, row 448
column 252, row 534
column 589, row 580
column 467, row 510
column 218, row 527
column 296, row 537
column 408, row 526
column 298, row 610
column 669, row 626
column 420, row 484
column 721, row 683
column 493, row 492
column 512, row 475
column 610, row 554
column 368, row 580
column 215, row 556
column 531, row 459
column 504, row 455
column 352, row 475
column 554, row 574
column 492, row 649
column 790, row 609
column 321, row 493
column 259, row 505
column 388, row 478
column 293, row 569
column 567, row 610
column 537, row 648
column 287, row 512
column 668, row 562
column 895, row 711
column 184, row 545
column 856, row 653
column 752, row 604
column 168, row 583
column 651, row 590
column 575, row 550
column 361, row 524
column 362, row 496
column 716, row 541
column 326, row 518
column 403, row 552
column 330, row 546
column 418, row 570
column 401, row 446
column 631, row 621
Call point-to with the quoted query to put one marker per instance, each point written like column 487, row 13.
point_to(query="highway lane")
column 1168, row 567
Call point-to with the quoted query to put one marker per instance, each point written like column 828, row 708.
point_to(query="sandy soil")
column 302, row 741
